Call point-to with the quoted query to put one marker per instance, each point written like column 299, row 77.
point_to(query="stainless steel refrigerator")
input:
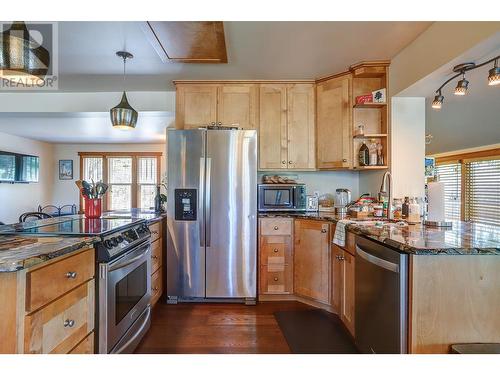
column 211, row 210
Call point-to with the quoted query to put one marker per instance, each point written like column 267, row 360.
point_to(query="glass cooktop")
column 79, row 227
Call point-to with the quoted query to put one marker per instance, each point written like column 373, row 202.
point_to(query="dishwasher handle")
column 393, row 267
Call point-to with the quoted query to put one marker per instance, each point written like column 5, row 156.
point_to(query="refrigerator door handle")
column 201, row 211
column 208, row 207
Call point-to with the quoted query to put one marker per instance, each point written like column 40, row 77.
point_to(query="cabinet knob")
column 69, row 323
column 155, row 289
column 71, row 275
column 276, row 228
column 323, row 230
column 154, row 257
column 344, row 160
column 283, row 162
column 275, row 279
column 275, row 250
column 290, row 162
column 341, row 257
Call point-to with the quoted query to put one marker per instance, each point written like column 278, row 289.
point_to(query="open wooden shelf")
column 374, row 167
column 370, row 105
column 364, row 136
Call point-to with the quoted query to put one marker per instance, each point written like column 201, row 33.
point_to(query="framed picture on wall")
column 65, row 169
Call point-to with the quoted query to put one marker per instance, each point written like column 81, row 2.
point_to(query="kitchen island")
column 453, row 279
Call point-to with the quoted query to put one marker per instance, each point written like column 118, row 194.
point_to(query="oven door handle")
column 125, row 262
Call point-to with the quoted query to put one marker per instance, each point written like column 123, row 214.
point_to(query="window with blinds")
column 482, row 189
column 132, row 179
column 451, row 176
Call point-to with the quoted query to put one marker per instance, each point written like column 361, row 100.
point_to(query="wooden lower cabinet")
column 47, row 316
column 86, row 346
column 276, row 256
column 59, row 326
column 312, row 260
column 343, row 286
column 347, row 303
column 156, row 262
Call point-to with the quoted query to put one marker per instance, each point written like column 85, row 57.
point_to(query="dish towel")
column 339, row 235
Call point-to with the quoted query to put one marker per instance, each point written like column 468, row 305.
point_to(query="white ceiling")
column 256, row 50
column 90, row 127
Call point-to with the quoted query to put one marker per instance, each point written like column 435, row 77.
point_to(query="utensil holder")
column 93, row 208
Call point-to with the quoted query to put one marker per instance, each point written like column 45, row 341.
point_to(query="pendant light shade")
column 123, row 116
column 494, row 75
column 462, row 86
column 437, row 103
column 21, row 58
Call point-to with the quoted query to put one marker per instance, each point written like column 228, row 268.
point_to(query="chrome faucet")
column 383, row 192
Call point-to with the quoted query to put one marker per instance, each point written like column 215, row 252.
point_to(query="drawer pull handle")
column 275, row 250
column 71, row 275
column 69, row 323
column 275, row 279
column 323, row 230
column 276, row 228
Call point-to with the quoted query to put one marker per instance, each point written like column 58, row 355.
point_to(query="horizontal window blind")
column 450, row 175
column 482, row 187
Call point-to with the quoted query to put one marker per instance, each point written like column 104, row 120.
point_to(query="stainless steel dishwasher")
column 381, row 298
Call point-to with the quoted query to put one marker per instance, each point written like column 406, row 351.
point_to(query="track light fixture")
column 463, row 84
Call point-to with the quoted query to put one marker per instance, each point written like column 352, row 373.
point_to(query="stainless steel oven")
column 124, row 300
column 282, row 197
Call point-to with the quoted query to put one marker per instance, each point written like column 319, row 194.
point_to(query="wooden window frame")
column 463, row 158
column 134, row 184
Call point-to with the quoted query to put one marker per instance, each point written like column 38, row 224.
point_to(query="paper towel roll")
column 435, row 198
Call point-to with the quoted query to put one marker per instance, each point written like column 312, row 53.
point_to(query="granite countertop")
column 462, row 239
column 19, row 252
column 149, row 215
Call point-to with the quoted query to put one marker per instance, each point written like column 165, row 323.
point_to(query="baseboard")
column 293, row 297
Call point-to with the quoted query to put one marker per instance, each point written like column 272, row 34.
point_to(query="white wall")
column 408, row 146
column 324, row 181
column 65, row 191
column 18, row 198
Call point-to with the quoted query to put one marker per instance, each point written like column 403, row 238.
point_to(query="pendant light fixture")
column 22, row 60
column 494, row 75
column 123, row 116
column 463, row 84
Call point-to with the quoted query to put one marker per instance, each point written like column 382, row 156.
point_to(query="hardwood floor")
column 217, row 328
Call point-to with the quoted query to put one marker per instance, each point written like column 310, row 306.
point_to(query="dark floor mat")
column 314, row 332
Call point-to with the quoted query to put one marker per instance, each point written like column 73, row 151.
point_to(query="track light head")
column 462, row 86
column 437, row 103
column 494, row 75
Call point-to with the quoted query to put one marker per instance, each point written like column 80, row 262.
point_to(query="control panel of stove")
column 114, row 244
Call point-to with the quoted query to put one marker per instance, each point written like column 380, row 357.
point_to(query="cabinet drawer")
column 155, row 231
column 275, row 280
column 61, row 325
column 275, row 252
column 156, row 286
column 86, row 346
column 275, row 226
column 47, row 283
column 156, row 255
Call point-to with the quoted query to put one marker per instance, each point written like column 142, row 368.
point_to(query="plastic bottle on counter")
column 405, row 207
column 413, row 212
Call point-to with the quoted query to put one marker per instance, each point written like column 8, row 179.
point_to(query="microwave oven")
column 282, row 197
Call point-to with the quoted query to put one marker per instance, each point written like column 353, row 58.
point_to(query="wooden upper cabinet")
column 272, row 127
column 312, row 260
column 301, row 130
column 239, row 105
column 334, row 113
column 196, row 105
